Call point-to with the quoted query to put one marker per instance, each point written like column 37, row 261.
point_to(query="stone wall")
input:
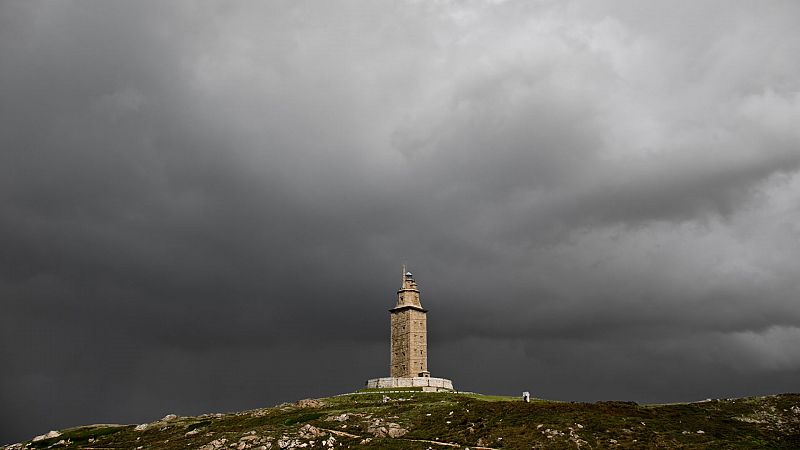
column 423, row 382
column 409, row 343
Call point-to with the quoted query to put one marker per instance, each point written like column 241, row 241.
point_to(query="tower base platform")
column 427, row 384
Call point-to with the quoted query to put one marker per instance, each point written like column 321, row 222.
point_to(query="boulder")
column 50, row 435
column 309, row 431
column 396, row 432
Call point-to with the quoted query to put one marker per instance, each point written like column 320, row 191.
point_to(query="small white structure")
column 526, row 397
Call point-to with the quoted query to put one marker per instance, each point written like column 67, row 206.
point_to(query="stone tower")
column 409, row 346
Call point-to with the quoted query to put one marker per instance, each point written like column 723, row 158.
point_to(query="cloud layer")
column 205, row 206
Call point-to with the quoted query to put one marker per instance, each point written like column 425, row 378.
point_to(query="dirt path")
column 446, row 444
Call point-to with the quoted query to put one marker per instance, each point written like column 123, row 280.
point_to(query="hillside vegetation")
column 417, row 420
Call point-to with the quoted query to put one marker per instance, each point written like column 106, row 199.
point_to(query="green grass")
column 81, row 435
column 196, row 425
column 493, row 398
column 303, row 418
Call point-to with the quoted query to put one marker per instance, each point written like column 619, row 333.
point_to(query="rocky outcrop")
column 50, row 435
column 309, row 403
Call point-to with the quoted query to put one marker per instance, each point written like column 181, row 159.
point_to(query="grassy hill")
column 417, row 420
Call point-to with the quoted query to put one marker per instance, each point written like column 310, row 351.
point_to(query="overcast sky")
column 204, row 206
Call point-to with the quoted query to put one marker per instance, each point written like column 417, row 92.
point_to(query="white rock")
column 49, row 435
column 215, row 444
column 169, row 417
column 701, row 432
column 309, row 431
column 287, row 443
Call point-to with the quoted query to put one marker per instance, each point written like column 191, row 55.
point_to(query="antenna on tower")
column 403, row 277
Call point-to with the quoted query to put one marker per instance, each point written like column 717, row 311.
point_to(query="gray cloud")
column 204, row 207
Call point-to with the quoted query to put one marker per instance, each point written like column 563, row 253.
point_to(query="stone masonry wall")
column 409, row 343
column 394, row 382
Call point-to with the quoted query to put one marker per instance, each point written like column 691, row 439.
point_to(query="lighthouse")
column 409, row 339
column 408, row 344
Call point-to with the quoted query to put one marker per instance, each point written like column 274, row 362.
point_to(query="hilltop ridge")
column 411, row 419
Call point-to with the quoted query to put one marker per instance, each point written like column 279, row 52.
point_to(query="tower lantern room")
column 408, row 295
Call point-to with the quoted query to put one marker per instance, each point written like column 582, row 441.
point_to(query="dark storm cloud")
column 205, row 206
